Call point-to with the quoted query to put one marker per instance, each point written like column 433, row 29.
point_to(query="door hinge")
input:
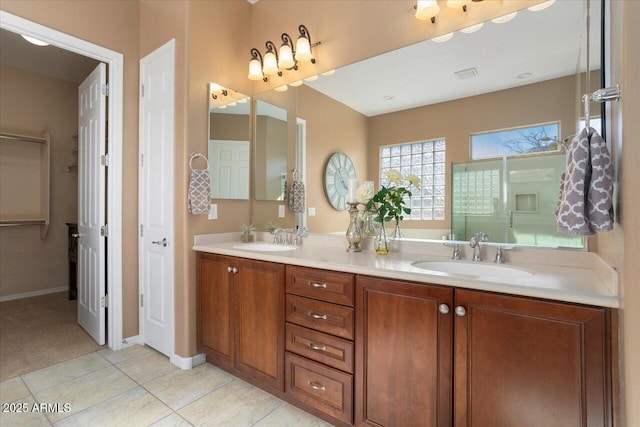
column 104, row 230
column 105, row 89
column 142, row 90
column 141, row 159
column 104, row 159
column 141, row 300
column 104, row 301
column 141, row 230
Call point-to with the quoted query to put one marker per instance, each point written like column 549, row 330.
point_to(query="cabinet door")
column 522, row 362
column 403, row 354
column 214, row 308
column 259, row 302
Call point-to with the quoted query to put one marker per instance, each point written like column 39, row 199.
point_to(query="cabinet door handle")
column 317, row 347
column 232, row 269
column 443, row 308
column 460, row 311
column 317, row 386
column 235, row 270
column 317, row 285
column 317, row 316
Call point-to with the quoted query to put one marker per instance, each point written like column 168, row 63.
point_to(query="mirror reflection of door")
column 228, row 146
column 271, row 151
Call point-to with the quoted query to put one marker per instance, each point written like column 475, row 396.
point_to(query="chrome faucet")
column 475, row 244
column 456, row 250
column 280, row 236
column 499, row 255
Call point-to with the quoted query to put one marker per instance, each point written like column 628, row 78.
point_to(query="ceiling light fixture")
column 541, row 6
column 286, row 57
column 34, row 40
column 504, row 18
column 443, row 38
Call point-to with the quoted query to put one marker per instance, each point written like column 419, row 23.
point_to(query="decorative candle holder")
column 354, row 232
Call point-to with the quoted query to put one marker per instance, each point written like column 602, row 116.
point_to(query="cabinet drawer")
column 321, row 316
column 324, row 285
column 323, row 388
column 323, row 348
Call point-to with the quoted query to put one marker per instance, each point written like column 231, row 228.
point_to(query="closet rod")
column 16, row 137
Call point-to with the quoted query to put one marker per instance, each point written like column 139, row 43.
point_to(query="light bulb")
column 427, row 9
column 270, row 65
column 285, row 60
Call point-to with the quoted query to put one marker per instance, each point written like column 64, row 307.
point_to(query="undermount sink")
column 264, row 247
column 474, row 269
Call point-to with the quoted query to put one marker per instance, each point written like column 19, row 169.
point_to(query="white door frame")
column 115, row 61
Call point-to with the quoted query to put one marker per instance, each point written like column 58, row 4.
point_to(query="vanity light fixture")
column 504, row 18
column 427, row 9
column 285, row 58
column 255, row 66
column 541, row 6
column 458, row 3
column 217, row 90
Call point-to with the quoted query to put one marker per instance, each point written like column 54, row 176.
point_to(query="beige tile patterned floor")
column 138, row 386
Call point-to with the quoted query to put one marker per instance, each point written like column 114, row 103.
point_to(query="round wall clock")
column 337, row 173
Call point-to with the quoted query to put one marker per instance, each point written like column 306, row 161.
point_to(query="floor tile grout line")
column 270, row 412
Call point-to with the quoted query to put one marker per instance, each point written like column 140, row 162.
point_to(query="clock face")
column 336, row 178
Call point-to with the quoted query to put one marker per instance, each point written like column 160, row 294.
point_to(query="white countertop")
column 579, row 277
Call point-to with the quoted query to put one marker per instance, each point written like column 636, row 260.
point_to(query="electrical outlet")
column 213, row 211
column 312, row 211
column 281, row 211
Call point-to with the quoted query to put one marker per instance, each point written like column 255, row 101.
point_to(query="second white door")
column 156, row 184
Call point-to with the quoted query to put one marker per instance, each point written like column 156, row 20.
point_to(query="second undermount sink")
column 264, row 247
column 474, row 269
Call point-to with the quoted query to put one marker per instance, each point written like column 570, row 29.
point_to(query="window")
column 516, row 141
column 427, row 161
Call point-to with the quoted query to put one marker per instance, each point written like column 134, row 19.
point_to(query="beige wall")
column 549, row 101
column 32, row 104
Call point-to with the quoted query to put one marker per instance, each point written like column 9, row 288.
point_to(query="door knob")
column 162, row 242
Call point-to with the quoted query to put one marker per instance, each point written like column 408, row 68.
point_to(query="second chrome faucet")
column 475, row 245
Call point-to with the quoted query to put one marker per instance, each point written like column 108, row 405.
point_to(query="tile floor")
column 138, row 386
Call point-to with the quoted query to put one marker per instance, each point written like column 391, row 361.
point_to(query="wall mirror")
column 271, row 142
column 525, row 72
column 228, row 146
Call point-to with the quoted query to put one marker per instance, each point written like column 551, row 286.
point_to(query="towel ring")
column 196, row 155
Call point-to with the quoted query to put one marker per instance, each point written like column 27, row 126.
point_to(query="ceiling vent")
column 469, row 73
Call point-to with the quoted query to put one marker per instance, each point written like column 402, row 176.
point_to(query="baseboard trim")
column 186, row 363
column 128, row 342
column 34, row 293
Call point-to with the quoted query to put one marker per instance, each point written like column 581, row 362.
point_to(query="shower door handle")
column 510, row 218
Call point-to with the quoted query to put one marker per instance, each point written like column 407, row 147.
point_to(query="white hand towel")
column 198, row 194
column 586, row 191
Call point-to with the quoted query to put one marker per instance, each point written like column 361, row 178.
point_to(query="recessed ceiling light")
column 541, row 6
column 442, row 38
column 472, row 28
column 505, row 18
column 387, row 97
column 525, row 75
column 34, row 40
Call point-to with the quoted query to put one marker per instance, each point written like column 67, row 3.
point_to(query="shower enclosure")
column 512, row 199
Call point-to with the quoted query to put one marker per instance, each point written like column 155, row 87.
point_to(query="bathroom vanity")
column 360, row 339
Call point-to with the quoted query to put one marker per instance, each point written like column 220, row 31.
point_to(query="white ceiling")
column 545, row 44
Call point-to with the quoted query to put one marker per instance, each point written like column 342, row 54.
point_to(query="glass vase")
column 381, row 241
column 397, row 233
column 368, row 223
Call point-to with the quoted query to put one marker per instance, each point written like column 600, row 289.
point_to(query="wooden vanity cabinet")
column 403, row 353
column 528, row 363
column 240, row 317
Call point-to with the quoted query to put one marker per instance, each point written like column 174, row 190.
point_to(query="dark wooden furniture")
column 240, row 312
column 403, row 354
column 72, row 250
column 320, row 332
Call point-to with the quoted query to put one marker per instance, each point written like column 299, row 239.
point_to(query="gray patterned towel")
column 586, row 191
column 198, row 194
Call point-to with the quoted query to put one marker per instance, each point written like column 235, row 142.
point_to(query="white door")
column 91, row 203
column 229, row 169
column 156, row 198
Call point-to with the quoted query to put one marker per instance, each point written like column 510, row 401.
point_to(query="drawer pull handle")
column 317, row 316
column 317, row 347
column 317, row 285
column 317, row 386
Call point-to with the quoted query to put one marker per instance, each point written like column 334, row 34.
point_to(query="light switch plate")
column 312, row 211
column 213, row 211
column 281, row 211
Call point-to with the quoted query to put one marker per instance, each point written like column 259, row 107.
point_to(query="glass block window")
column 476, row 192
column 426, row 160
